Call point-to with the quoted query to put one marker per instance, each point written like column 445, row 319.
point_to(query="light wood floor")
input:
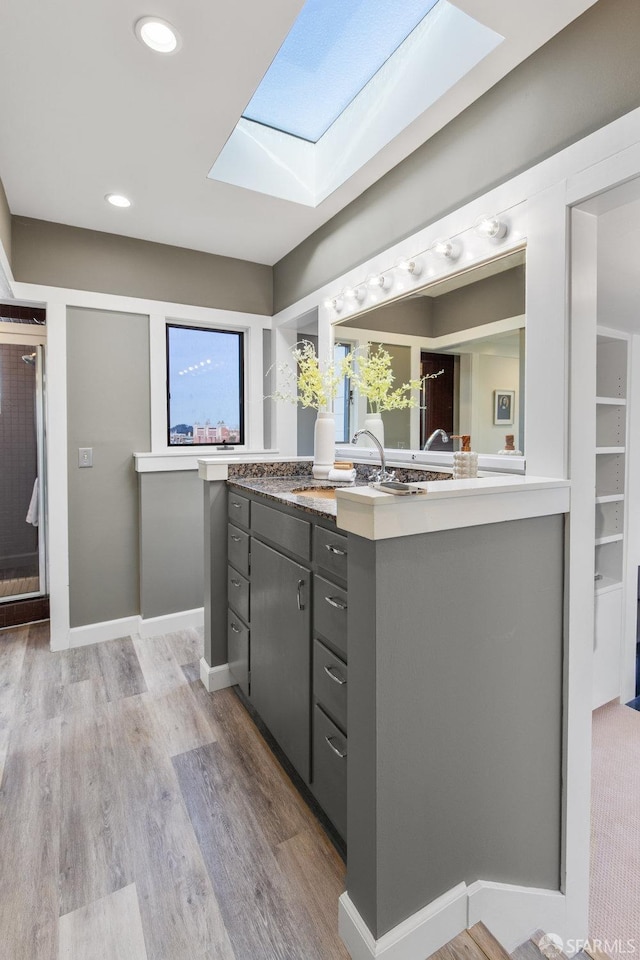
column 142, row 818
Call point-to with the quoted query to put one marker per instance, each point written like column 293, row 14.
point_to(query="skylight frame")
column 420, row 73
column 354, row 41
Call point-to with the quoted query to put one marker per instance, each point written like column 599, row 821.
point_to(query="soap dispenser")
column 465, row 461
column 509, row 447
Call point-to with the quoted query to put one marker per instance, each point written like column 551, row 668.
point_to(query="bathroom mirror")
column 472, row 326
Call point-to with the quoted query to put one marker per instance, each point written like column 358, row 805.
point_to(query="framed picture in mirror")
column 503, row 404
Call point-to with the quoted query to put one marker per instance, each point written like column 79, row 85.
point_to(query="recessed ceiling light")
column 157, row 34
column 117, row 200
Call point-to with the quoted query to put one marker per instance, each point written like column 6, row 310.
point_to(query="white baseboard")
column 215, row 678
column 133, row 626
column 99, row 632
column 171, row 622
column 511, row 913
column 415, row 938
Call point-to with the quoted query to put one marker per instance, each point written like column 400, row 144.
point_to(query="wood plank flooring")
column 142, row 818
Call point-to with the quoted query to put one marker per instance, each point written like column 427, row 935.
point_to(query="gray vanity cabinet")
column 280, row 643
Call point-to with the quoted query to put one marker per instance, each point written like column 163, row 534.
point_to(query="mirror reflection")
column 471, row 326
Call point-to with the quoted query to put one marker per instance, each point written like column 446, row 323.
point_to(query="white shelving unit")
column 612, row 377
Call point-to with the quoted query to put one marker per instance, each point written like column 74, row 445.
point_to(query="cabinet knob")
column 235, row 539
column 235, row 628
column 335, row 676
column 338, row 604
column 333, row 549
column 299, row 595
column 234, row 503
column 337, row 752
column 236, row 583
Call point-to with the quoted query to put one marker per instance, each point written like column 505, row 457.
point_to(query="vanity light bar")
column 449, row 249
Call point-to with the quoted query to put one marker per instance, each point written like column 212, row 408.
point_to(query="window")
column 205, row 386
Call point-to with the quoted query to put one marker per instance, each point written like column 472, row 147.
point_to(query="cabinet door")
column 281, row 650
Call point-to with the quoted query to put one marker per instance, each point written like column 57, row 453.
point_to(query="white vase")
column 373, row 423
column 324, row 443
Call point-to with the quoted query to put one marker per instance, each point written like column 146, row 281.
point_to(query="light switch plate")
column 85, row 456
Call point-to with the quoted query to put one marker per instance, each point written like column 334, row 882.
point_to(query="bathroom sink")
column 317, row 493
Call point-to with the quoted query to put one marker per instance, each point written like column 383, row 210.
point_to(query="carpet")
column 614, row 910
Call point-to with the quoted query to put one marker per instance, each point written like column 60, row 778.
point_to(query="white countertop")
column 449, row 504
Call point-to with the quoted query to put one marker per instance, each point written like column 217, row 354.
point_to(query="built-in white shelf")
column 613, row 401
column 601, row 451
column 612, row 538
column 611, row 498
column 607, row 585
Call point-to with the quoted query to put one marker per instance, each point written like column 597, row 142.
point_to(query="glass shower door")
column 22, row 559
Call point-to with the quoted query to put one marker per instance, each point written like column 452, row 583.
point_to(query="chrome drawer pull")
column 336, row 677
column 236, row 539
column 338, row 552
column 235, row 628
column 338, row 604
column 238, row 506
column 236, row 583
column 338, row 753
column 300, row 586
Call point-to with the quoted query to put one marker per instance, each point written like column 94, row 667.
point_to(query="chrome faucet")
column 436, row 433
column 382, row 473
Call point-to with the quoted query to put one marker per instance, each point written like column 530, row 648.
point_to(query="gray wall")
column 455, row 714
column 485, row 301
column 63, row 256
column 108, row 409
column 5, row 223
column 171, row 543
column 585, row 77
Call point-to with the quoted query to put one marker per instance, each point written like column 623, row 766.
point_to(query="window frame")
column 242, row 362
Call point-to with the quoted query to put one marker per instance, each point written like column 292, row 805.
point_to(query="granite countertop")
column 281, row 490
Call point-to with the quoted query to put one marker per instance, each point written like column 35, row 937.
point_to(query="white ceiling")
column 87, row 110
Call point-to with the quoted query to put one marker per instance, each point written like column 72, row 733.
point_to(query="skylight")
column 332, row 51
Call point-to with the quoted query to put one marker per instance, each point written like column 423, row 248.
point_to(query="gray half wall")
column 585, row 77
column 454, row 714
column 62, row 256
column 171, row 543
column 108, row 410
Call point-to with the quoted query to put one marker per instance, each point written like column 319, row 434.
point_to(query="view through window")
column 205, row 386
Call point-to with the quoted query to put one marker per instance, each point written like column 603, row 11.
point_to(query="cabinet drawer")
column 239, row 509
column 330, row 770
column 330, row 613
column 281, row 528
column 238, row 548
column 238, row 593
column 238, row 651
column 330, row 683
column 330, row 551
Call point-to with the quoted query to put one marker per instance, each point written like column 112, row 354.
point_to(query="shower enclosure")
column 22, row 474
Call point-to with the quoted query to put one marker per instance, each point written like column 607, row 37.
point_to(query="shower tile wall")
column 18, row 463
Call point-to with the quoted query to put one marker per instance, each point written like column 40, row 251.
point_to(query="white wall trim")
column 415, row 938
column 100, row 632
column 132, row 627
column 171, row 622
column 510, row 912
column 215, row 678
column 513, row 913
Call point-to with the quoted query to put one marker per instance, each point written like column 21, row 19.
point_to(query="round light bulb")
column 491, row 227
column 446, row 249
column 356, row 294
column 117, row 200
column 157, row 34
column 411, row 266
column 379, row 281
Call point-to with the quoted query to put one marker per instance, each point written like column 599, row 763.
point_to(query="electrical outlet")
column 85, row 456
